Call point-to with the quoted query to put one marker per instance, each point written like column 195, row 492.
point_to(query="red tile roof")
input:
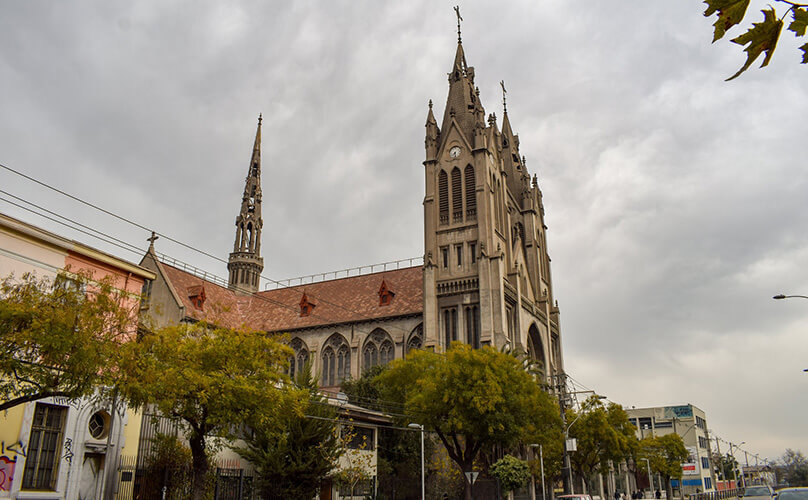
column 344, row 300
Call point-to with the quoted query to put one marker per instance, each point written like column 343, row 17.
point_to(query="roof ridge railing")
column 199, row 273
column 344, row 273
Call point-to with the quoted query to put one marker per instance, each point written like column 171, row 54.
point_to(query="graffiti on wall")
column 16, row 448
column 6, row 472
column 68, row 455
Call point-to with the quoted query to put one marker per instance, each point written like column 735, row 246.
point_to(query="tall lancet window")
column 457, row 196
column 443, row 197
column 471, row 193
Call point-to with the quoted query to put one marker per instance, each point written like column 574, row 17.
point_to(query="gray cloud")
column 676, row 201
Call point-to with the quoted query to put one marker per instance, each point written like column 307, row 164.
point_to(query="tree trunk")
column 200, row 466
column 669, row 488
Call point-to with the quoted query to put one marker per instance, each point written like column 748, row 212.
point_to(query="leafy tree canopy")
column 511, row 472
column 725, row 465
column 762, row 37
column 295, row 453
column 796, row 467
column 665, row 454
column 211, row 378
column 471, row 398
column 58, row 337
column 602, row 434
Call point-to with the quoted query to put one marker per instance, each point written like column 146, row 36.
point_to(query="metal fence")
column 136, row 482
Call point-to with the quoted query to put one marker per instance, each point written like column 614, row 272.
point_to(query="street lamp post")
column 781, row 296
column 567, row 464
column 423, row 479
column 650, row 479
column 734, row 470
column 532, row 478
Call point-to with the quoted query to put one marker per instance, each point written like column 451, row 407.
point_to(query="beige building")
column 690, row 423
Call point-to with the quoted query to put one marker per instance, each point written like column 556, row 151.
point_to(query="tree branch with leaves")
column 58, row 337
column 762, row 37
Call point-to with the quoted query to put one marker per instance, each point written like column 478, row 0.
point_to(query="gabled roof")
column 344, row 300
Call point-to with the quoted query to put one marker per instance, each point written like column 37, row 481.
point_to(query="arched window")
column 329, row 371
column 471, row 194
column 299, row 359
column 473, row 326
column 336, row 360
column 457, row 196
column 535, row 349
column 450, row 325
column 443, row 197
column 416, row 338
column 250, row 235
column 378, row 349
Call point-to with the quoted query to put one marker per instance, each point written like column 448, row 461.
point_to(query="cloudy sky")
column 677, row 203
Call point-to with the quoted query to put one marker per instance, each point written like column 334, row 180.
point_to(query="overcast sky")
column 677, row 203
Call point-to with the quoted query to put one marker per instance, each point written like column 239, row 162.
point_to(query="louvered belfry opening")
column 471, row 195
column 457, row 196
column 443, row 197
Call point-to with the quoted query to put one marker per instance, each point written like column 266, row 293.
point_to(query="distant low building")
column 690, row 423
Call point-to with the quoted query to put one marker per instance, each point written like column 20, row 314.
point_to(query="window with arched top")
column 300, row 357
column 535, row 349
column 443, row 197
column 449, row 326
column 457, row 196
column 336, row 360
column 473, row 325
column 471, row 193
column 416, row 338
column 378, row 349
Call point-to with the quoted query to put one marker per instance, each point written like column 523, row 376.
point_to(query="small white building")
column 690, row 423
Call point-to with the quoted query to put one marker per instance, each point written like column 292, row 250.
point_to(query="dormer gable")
column 306, row 306
column 197, row 296
column 385, row 294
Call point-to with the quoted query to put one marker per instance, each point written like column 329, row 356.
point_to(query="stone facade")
column 485, row 278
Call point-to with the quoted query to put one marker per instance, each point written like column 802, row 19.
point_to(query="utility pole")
column 720, row 459
column 561, row 389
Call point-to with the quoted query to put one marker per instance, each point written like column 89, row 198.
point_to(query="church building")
column 485, row 278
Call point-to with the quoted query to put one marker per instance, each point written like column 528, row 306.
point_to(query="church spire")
column 462, row 103
column 245, row 263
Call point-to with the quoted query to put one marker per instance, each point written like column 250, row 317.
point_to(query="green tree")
column 602, row 434
column 665, row 454
column 294, row 454
column 212, row 379
column 725, row 466
column 796, row 467
column 762, row 37
column 58, row 337
column 398, row 451
column 471, row 399
column 511, row 472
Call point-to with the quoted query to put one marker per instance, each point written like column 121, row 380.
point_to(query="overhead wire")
column 187, row 246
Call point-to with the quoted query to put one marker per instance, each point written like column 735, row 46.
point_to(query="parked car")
column 759, row 492
column 576, row 497
column 793, row 494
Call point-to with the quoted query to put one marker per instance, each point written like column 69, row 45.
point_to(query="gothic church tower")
column 245, row 263
column 486, row 267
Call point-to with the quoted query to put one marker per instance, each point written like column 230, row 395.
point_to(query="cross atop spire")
column 152, row 239
column 504, row 102
column 457, row 12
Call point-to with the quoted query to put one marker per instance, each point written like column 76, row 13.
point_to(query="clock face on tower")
column 454, row 152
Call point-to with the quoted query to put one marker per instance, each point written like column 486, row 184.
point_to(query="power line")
column 192, row 248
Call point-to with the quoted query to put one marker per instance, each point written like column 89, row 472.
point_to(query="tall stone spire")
column 245, row 263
